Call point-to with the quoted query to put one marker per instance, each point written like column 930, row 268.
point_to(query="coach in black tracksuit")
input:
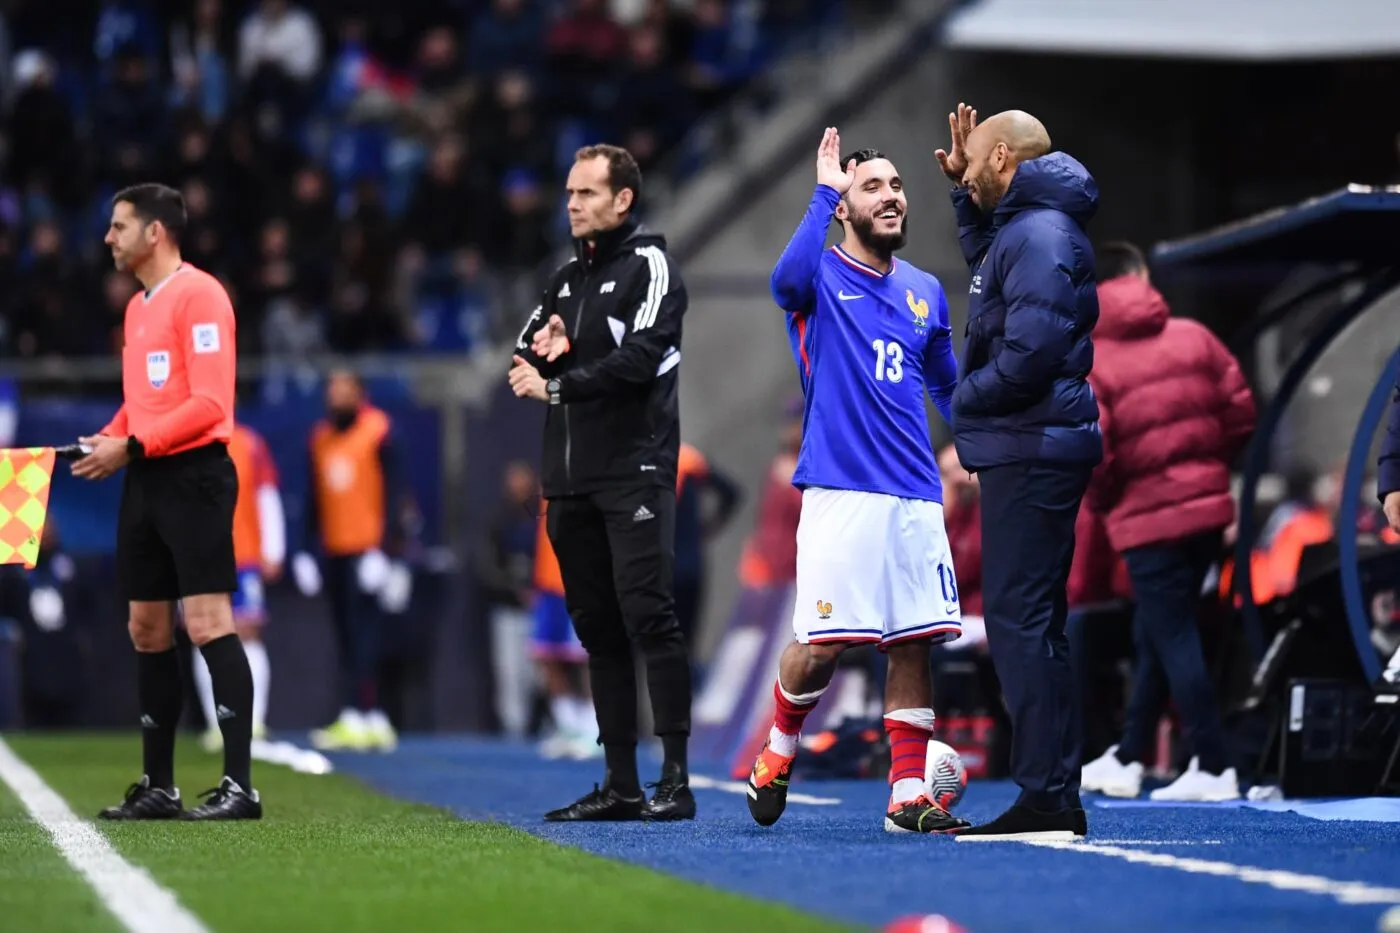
column 602, row 351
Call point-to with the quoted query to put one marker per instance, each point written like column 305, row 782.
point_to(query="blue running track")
column 1145, row 869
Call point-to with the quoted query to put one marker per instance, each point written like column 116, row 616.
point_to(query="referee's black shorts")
column 175, row 531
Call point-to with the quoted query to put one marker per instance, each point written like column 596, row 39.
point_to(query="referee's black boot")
column 673, row 799
column 601, row 804
column 228, row 801
column 144, row 802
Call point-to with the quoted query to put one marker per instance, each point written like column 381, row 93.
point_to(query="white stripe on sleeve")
column 669, row 361
column 657, row 288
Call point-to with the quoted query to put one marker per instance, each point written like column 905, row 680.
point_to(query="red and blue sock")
column 909, row 731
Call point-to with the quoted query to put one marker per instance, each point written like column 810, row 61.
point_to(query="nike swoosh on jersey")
column 844, row 297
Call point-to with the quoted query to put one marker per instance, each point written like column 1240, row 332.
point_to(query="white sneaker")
column 1107, row 775
column 584, row 747
column 212, row 741
column 379, row 732
column 558, row 745
column 1197, row 786
column 348, row 733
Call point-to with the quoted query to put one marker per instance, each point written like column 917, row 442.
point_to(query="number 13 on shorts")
column 948, row 586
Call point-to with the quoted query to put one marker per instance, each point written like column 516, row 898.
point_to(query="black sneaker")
column 228, row 801
column 673, row 800
column 601, row 804
column 144, row 802
column 922, row 815
column 1022, row 824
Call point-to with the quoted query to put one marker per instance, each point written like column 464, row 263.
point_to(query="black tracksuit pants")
column 1028, row 514
column 616, row 551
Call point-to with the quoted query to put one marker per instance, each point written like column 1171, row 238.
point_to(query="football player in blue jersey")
column 870, row 335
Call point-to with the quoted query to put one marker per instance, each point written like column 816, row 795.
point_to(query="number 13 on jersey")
column 889, row 361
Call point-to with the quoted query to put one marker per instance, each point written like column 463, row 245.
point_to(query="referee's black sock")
column 233, row 704
column 161, row 696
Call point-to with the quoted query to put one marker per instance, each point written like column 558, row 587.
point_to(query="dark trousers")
column 690, row 601
column 1167, row 582
column 356, row 616
column 1028, row 513
column 689, row 592
column 616, row 553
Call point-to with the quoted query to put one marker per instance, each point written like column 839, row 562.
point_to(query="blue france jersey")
column 867, row 346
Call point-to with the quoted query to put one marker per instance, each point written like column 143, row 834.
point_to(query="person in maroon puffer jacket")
column 1175, row 410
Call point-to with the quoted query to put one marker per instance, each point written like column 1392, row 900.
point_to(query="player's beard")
column 989, row 191
column 881, row 244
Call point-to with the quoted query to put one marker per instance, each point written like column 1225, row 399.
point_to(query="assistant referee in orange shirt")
column 175, row 531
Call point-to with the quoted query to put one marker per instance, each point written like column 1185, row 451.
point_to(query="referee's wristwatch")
column 552, row 387
column 135, row 450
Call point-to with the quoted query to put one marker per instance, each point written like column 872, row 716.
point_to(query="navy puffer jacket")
column 1023, row 392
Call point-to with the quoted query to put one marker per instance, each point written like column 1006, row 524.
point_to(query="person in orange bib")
column 259, row 548
column 348, row 503
column 175, row 530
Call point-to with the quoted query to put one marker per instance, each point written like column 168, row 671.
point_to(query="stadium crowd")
column 363, row 176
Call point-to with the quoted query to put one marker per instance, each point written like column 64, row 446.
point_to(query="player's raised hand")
column 829, row 171
column 953, row 160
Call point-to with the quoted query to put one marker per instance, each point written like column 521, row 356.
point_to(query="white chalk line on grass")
column 1346, row 892
column 742, row 788
column 129, row 892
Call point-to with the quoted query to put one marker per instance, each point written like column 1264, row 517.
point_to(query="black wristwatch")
column 552, row 387
column 135, row 450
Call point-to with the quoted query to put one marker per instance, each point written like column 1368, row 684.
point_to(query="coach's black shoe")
column 1022, row 824
column 601, row 804
column 922, row 815
column 673, row 799
column 144, row 802
column 228, row 801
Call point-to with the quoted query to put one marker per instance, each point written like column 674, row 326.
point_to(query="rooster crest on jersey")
column 920, row 308
column 823, row 609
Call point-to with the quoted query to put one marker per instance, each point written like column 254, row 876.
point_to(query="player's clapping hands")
column 552, row 340
column 829, row 171
column 526, row 381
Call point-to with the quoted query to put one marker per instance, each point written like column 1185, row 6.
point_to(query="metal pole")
column 1350, row 564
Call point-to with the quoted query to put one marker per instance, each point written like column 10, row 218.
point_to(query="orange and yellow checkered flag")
column 25, row 476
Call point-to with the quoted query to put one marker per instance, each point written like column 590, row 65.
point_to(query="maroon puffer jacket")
column 1174, row 409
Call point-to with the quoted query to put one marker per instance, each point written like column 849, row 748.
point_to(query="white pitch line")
column 741, row 788
column 129, row 892
column 1157, row 842
column 1346, row 892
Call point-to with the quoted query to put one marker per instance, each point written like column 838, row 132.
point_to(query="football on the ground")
column 944, row 774
column 930, row 923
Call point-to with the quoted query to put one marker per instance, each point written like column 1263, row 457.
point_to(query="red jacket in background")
column 1174, row 409
column 963, row 522
column 770, row 554
column 1098, row 574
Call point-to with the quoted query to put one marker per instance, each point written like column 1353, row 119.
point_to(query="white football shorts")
column 873, row 568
